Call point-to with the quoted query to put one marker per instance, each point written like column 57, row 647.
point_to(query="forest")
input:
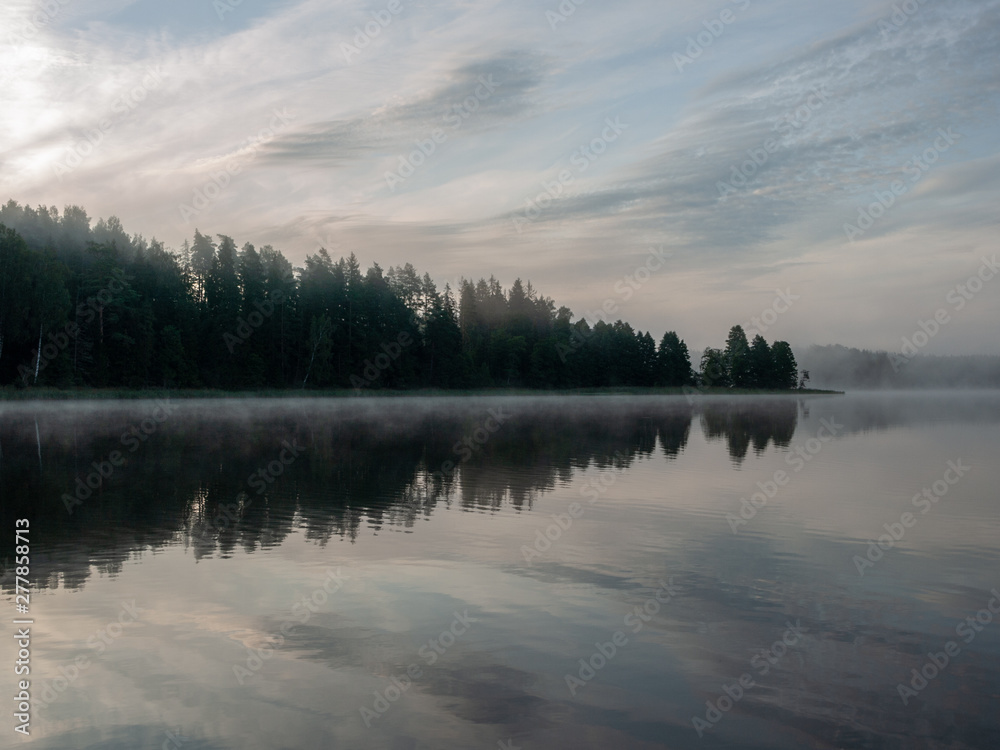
column 85, row 306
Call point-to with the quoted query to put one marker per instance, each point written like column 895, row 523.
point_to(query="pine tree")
column 760, row 364
column 673, row 362
column 737, row 355
column 784, row 366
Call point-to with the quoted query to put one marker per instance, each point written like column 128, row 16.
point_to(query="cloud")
column 507, row 86
column 838, row 114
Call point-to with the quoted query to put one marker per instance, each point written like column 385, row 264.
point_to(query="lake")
column 523, row 572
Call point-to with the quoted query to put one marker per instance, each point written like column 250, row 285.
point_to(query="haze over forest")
column 115, row 310
column 97, row 307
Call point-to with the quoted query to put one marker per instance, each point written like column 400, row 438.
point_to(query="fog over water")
column 546, row 520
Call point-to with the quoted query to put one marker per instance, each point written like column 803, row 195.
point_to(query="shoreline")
column 116, row 394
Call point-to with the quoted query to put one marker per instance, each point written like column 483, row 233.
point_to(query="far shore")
column 57, row 394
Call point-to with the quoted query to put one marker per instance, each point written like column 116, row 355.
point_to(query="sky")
column 818, row 172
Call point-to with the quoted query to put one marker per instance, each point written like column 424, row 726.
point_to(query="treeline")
column 744, row 364
column 91, row 306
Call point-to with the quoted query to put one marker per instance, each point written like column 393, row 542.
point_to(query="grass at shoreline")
column 57, row 394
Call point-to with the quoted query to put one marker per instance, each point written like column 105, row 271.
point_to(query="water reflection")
column 215, row 477
column 753, row 423
column 209, row 473
column 428, row 506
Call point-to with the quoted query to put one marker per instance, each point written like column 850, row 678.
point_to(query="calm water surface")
column 552, row 572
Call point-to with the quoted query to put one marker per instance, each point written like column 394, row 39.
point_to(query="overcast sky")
column 295, row 124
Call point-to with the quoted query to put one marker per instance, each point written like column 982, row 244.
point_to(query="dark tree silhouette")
column 84, row 306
